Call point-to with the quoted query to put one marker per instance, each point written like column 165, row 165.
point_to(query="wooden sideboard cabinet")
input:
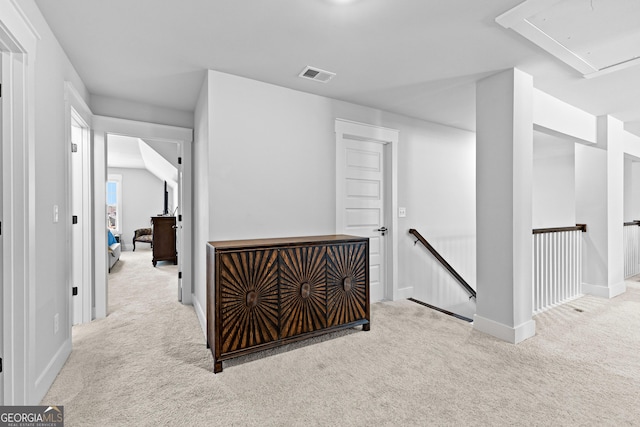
column 164, row 239
column 269, row 292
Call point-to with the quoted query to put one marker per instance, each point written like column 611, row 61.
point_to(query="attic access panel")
column 593, row 36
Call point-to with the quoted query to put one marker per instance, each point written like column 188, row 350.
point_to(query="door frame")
column 18, row 41
column 180, row 234
column 1, row 239
column 76, row 106
column 103, row 127
column 347, row 129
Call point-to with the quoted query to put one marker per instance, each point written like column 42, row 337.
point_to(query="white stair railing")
column 557, row 266
column 631, row 238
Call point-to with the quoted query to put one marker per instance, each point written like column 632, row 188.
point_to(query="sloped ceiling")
column 158, row 165
column 168, row 150
column 129, row 152
column 124, row 152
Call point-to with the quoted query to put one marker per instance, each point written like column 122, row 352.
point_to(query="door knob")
column 382, row 230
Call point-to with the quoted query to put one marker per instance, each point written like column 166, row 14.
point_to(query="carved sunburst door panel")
column 346, row 283
column 249, row 298
column 302, row 290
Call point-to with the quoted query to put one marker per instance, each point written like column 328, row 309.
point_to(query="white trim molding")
column 557, row 118
column 73, row 99
column 18, row 42
column 518, row 19
column 76, row 109
column 604, row 291
column 55, row 365
column 513, row 335
column 389, row 137
column 202, row 317
column 104, row 126
column 403, row 293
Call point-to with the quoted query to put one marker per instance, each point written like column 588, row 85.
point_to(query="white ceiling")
column 595, row 37
column 124, row 152
column 130, row 152
column 419, row 58
column 602, row 33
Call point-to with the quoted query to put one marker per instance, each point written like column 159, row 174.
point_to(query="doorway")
column 17, row 51
column 366, row 198
column 143, row 193
column 80, row 239
column 181, row 138
column 78, row 122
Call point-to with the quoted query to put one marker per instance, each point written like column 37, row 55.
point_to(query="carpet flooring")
column 147, row 364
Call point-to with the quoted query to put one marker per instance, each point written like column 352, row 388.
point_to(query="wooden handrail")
column 578, row 227
column 444, row 263
column 442, row 310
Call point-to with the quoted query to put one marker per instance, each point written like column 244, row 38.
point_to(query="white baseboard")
column 510, row 334
column 46, row 378
column 604, row 291
column 404, row 293
column 202, row 315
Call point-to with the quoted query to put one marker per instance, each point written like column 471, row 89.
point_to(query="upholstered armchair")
column 143, row 235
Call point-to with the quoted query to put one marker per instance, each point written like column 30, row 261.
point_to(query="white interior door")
column 77, row 223
column 79, row 201
column 367, row 198
column 361, row 165
column 179, row 236
column 80, row 207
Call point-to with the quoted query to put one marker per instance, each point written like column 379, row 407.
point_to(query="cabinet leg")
column 366, row 327
column 217, row 367
column 208, row 346
column 154, row 263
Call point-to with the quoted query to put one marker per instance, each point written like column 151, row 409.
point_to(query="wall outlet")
column 56, row 323
column 402, row 212
column 55, row 214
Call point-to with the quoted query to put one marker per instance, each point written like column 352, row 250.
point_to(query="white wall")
column 633, row 214
column 591, row 209
column 168, row 150
column 437, row 187
column 628, row 189
column 631, row 189
column 618, row 141
column 553, row 189
column 125, row 109
column 48, row 350
column 504, row 175
column 201, row 142
column 271, row 165
column 272, row 169
column 557, row 117
column 142, row 198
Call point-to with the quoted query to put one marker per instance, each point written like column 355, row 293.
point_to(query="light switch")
column 55, row 214
column 402, row 212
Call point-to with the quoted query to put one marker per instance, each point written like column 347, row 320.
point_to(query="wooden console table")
column 164, row 239
column 269, row 292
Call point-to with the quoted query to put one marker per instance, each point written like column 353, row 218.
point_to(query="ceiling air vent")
column 316, row 74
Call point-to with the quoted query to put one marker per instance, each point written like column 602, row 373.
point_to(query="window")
column 114, row 203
